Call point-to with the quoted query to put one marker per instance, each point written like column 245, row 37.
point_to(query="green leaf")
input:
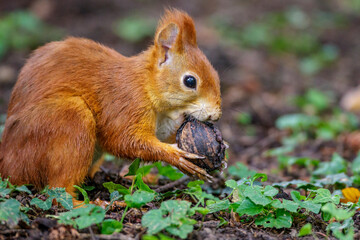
column 241, row 171
column 116, row 187
column 159, row 236
column 194, row 189
column 222, row 222
column 114, row 196
column 298, row 183
column 10, row 212
column 169, row 172
column 134, row 28
column 139, row 198
column 84, row 193
column 88, row 188
column 263, row 177
column 181, row 231
column 342, row 231
column 110, row 226
column 195, row 185
column 231, row 184
column 178, row 209
column 270, row 191
column 325, row 216
column 338, row 213
column 279, row 151
column 133, row 167
column 44, row 205
column 149, row 237
column 22, row 30
column 172, row 216
column 308, row 204
column 298, row 137
column 281, row 219
column 5, row 191
column 83, row 217
column 297, row 121
column 317, row 99
column 355, row 166
column 285, row 204
column 255, row 195
column 154, row 221
column 243, row 118
column 145, row 169
column 141, row 185
column 333, row 179
column 324, row 196
column 23, row 188
column 164, row 237
column 336, row 165
column 249, row 208
column 305, row 230
column 61, row 196
column 201, row 210
column 219, row 206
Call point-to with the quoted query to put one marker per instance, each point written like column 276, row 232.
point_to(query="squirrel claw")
column 187, row 155
column 193, row 170
column 193, row 156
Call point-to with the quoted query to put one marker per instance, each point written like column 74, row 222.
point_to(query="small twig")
column 140, row 234
column 103, row 236
column 208, row 224
column 171, row 185
column 262, row 144
column 322, row 234
column 9, row 231
column 92, row 234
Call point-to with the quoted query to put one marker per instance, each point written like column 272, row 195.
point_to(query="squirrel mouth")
column 189, row 117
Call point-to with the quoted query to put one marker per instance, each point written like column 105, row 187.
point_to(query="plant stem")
column 124, row 213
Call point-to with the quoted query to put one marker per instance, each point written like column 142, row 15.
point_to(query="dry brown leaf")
column 151, row 178
column 352, row 140
column 350, row 195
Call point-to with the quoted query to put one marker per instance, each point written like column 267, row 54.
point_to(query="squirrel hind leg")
column 71, row 144
column 96, row 165
column 52, row 143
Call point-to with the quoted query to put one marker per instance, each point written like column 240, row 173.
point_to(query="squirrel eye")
column 190, row 81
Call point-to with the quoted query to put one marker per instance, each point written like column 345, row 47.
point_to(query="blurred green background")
column 266, row 52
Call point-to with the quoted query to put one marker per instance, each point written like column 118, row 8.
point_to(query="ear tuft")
column 168, row 35
column 180, row 25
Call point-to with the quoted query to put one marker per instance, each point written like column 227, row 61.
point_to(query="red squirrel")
column 75, row 96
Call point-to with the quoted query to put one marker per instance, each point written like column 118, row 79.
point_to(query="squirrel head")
column 184, row 80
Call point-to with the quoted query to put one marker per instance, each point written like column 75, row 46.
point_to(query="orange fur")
column 74, row 94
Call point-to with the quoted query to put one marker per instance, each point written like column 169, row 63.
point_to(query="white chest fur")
column 167, row 125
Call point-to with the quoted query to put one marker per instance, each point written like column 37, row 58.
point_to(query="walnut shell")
column 204, row 139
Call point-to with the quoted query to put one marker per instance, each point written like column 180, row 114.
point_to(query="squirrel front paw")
column 187, row 167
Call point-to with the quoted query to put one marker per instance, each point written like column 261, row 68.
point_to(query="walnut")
column 205, row 139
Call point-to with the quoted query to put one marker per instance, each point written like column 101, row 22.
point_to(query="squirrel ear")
column 167, row 36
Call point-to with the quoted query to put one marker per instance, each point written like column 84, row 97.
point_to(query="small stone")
column 7, row 74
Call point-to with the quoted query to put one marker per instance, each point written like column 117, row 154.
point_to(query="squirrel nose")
column 214, row 116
